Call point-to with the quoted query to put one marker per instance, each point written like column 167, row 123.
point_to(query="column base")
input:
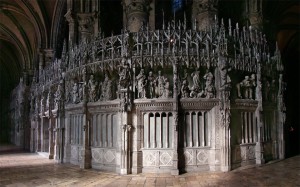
column 260, row 161
column 225, row 168
column 124, row 171
column 86, row 159
column 51, row 156
column 175, row 172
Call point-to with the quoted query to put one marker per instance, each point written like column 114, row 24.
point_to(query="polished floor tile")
column 29, row 169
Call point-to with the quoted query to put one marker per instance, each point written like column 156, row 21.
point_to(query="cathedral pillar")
column 152, row 15
column 37, row 133
column 51, row 135
column 224, row 112
column 125, row 94
column 41, row 62
column 72, row 35
column 281, row 109
column 253, row 13
column 86, row 152
column 67, row 142
column 136, row 14
column 86, row 149
column 125, row 127
column 175, row 170
column 32, row 139
column 204, row 12
column 259, row 156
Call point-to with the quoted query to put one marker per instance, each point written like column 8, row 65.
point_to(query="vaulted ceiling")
column 26, row 26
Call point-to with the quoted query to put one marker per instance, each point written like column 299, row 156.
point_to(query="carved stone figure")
column 92, row 89
column 75, row 93
column 107, row 89
column 167, row 92
column 160, row 81
column 247, row 85
column 141, row 84
column 224, row 68
column 151, row 85
column 196, row 84
column 58, row 96
column 125, row 75
column 210, row 90
column 185, row 91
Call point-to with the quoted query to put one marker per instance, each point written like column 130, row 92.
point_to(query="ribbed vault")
column 25, row 29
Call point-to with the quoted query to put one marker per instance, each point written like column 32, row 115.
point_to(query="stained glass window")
column 177, row 5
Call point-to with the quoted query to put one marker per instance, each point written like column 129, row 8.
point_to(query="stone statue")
column 92, row 85
column 58, row 96
column 151, row 85
column 108, row 89
column 210, row 90
column 141, row 84
column 159, row 85
column 247, row 84
column 125, row 75
column 167, row 92
column 224, row 68
column 75, row 93
column 196, row 84
column 185, row 91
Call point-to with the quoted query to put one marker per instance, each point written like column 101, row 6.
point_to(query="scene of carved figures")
column 155, row 85
column 107, row 88
column 246, row 88
column 197, row 84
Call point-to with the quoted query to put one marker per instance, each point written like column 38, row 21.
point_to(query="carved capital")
column 86, row 21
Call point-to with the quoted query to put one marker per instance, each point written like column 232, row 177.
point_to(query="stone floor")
column 28, row 169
